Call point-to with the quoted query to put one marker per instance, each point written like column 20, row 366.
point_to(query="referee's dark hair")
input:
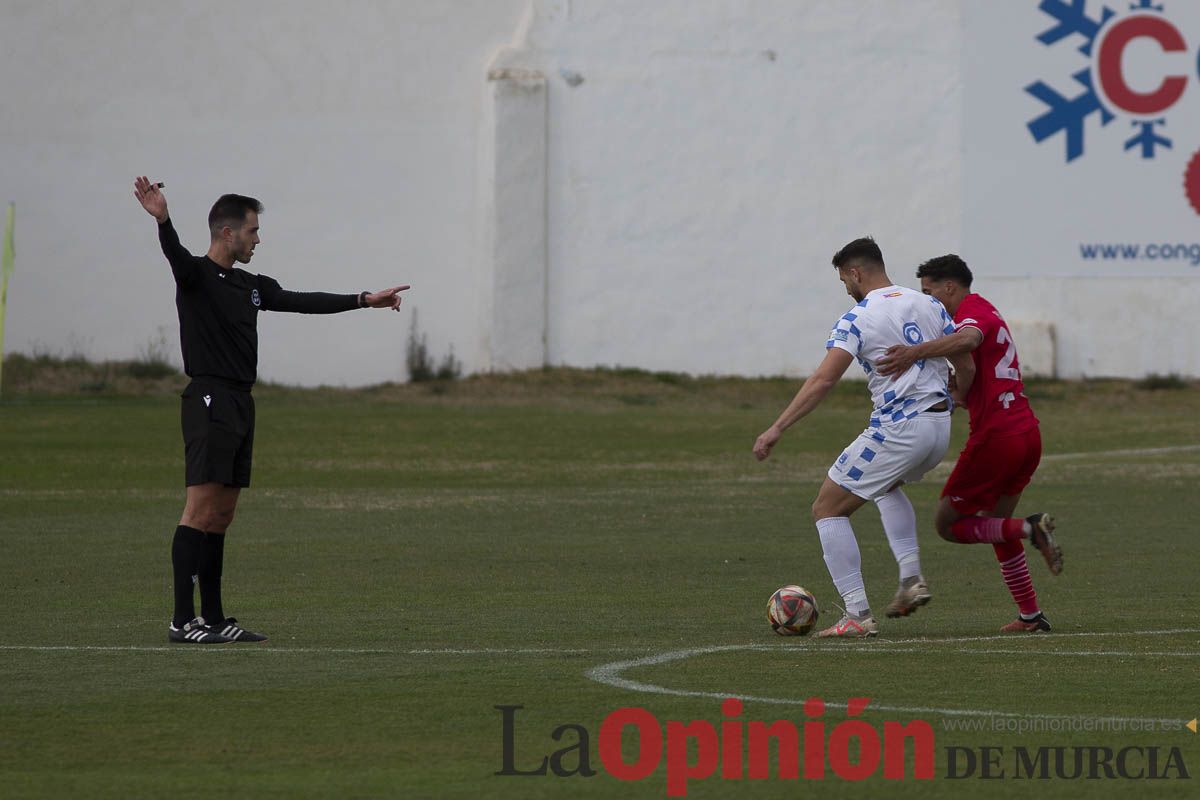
column 863, row 251
column 946, row 267
column 231, row 210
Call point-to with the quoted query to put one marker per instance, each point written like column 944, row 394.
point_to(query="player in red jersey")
column 1004, row 446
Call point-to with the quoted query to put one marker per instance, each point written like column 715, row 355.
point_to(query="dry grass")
column 43, row 376
column 48, row 376
column 568, row 387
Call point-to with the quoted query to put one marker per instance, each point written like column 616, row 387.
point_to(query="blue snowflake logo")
column 1104, row 39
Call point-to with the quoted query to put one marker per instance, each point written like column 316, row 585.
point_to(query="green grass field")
column 421, row 554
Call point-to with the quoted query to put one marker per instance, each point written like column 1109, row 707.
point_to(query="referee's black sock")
column 212, row 561
column 185, row 556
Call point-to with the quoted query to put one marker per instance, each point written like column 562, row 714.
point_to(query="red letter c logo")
column 1112, row 79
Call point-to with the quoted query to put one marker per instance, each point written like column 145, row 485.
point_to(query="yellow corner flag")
column 8, row 257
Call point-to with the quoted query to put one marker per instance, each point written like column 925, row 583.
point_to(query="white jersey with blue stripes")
column 886, row 317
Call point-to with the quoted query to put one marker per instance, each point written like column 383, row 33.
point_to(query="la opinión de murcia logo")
column 1107, row 92
column 1087, row 762
column 632, row 744
column 733, row 749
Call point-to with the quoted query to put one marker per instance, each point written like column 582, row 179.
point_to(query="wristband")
column 362, row 299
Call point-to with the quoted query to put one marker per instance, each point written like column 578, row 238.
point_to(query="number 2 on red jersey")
column 1004, row 367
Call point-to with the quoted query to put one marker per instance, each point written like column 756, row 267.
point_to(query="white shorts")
column 903, row 451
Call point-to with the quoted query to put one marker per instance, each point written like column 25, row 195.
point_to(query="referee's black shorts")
column 218, row 433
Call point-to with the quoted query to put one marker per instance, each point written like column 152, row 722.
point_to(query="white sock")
column 844, row 562
column 900, row 525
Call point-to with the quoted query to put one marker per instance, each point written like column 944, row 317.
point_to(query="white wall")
column 355, row 123
column 674, row 206
column 715, row 155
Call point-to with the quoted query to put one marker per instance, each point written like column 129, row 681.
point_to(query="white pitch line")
column 1041, row 637
column 945, row 467
column 794, row 644
column 330, row 650
column 869, row 650
column 1137, row 451
column 610, row 675
column 803, row 643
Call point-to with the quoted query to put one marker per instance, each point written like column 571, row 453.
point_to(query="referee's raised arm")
column 151, row 198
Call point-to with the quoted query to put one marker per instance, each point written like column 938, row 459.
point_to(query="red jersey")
column 996, row 401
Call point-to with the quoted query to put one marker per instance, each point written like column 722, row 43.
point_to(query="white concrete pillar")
column 513, row 205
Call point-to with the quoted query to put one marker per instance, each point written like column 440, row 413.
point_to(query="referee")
column 218, row 308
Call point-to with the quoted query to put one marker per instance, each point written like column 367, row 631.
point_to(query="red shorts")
column 993, row 467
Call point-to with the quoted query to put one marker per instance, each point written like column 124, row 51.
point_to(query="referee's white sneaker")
column 195, row 632
column 230, row 630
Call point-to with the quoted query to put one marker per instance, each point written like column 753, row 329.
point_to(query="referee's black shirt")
column 218, row 312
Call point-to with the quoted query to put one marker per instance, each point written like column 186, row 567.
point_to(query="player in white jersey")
column 907, row 436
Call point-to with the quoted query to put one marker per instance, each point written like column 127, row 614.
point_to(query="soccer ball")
column 792, row 611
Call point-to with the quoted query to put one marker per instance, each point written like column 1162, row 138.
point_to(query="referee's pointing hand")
column 386, row 298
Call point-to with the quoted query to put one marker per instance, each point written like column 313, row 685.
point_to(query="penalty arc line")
column 611, row 674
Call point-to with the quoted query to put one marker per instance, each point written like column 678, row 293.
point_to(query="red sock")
column 1011, row 556
column 988, row 530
